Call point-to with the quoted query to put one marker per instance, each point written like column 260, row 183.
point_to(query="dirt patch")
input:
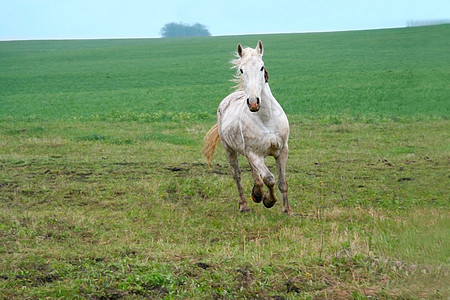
column 291, row 287
column 403, row 179
column 244, row 276
column 203, row 265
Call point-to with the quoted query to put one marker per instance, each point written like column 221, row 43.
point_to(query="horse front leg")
column 258, row 186
column 282, row 182
column 236, row 171
column 262, row 174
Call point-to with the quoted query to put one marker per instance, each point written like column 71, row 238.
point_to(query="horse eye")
column 242, row 72
column 262, row 68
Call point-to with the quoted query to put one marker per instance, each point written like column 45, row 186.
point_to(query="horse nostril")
column 248, row 101
column 257, row 100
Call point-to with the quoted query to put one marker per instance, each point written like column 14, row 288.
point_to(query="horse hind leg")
column 282, row 182
column 236, row 171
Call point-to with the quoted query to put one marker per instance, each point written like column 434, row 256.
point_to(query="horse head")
column 252, row 73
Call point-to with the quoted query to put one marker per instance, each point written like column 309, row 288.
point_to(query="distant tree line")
column 184, row 30
column 415, row 23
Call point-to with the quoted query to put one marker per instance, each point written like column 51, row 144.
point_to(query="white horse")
column 252, row 123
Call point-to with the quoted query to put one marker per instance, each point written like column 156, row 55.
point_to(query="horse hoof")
column 267, row 203
column 287, row 212
column 257, row 195
column 244, row 209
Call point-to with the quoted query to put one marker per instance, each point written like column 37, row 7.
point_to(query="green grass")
column 104, row 193
column 364, row 74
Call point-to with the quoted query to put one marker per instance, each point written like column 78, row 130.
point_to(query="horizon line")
column 212, row 35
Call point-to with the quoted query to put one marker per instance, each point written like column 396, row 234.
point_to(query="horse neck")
column 267, row 93
column 268, row 104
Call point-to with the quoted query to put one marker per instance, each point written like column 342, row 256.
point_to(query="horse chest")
column 273, row 143
column 268, row 142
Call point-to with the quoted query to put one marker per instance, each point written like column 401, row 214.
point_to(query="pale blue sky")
column 61, row 19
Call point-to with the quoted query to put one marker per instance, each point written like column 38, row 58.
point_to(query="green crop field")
column 104, row 193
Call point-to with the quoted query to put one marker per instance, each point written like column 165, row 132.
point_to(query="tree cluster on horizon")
column 184, row 30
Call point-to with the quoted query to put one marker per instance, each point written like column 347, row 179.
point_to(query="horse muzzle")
column 253, row 104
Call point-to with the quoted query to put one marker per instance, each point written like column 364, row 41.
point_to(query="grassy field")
column 104, row 193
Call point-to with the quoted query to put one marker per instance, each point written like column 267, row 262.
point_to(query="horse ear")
column 260, row 48
column 239, row 50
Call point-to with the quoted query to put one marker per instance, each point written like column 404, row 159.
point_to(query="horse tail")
column 211, row 140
